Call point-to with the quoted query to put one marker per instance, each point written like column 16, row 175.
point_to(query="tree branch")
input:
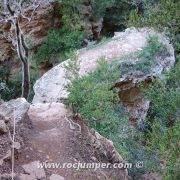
column 7, row 4
column 24, row 46
column 19, row 48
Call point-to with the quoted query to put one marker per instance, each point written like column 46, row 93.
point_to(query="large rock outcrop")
column 52, row 86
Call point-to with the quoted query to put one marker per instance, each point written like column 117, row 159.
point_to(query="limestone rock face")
column 52, row 86
column 13, row 117
column 6, row 50
column 3, row 127
column 45, row 17
column 14, row 109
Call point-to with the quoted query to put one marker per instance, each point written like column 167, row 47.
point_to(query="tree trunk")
column 25, row 80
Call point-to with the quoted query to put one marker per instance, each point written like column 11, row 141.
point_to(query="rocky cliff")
column 47, row 16
column 46, row 131
column 52, row 86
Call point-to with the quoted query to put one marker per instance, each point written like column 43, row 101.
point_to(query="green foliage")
column 165, row 142
column 164, row 119
column 160, row 146
column 70, row 37
column 10, row 86
column 146, row 57
column 163, row 15
column 59, row 42
column 164, row 96
column 99, row 7
column 160, row 14
column 71, row 11
column 93, row 97
column 116, row 16
column 164, row 93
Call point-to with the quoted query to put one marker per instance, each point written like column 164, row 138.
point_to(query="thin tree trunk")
column 25, row 80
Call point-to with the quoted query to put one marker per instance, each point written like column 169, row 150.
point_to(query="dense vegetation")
column 157, row 147
column 164, row 94
column 94, row 97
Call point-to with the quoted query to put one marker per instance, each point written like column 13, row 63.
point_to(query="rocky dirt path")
column 56, row 138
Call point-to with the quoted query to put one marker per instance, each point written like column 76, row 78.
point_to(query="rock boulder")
column 52, row 86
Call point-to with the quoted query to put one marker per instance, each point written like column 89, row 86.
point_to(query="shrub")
column 163, row 15
column 158, row 14
column 93, row 97
column 116, row 16
column 10, row 86
column 146, row 57
column 59, row 43
column 72, row 33
column 164, row 96
column 164, row 119
column 165, row 143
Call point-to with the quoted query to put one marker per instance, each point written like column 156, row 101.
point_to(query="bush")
column 164, row 93
column 93, row 97
column 146, row 57
column 158, row 14
column 164, row 96
column 164, row 120
column 116, row 16
column 59, row 43
column 10, row 86
column 162, row 15
column 72, row 33
column 165, row 143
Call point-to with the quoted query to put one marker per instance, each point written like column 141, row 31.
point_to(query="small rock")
column 56, row 177
column 16, row 145
column 94, row 158
column 1, row 162
column 33, row 170
column 6, row 157
column 14, row 109
column 8, row 177
column 26, row 177
column 3, row 127
column 150, row 176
